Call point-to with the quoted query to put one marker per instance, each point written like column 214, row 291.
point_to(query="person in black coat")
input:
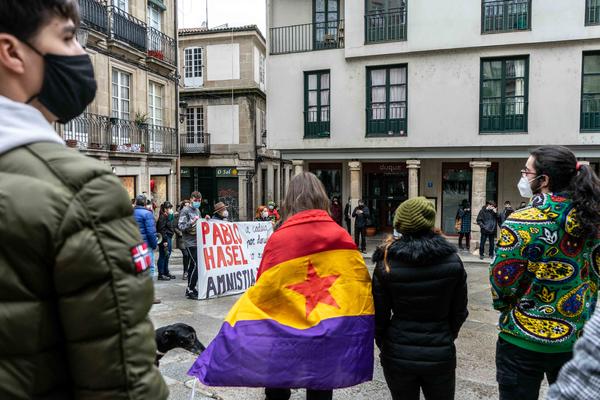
column 420, row 295
column 166, row 227
column 487, row 219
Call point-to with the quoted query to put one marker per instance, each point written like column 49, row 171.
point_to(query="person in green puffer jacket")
column 546, row 271
column 75, row 291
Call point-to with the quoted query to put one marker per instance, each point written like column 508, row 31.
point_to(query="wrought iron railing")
column 386, row 121
column 307, row 37
column 503, row 115
column 317, row 124
column 590, row 113
column 505, row 15
column 95, row 14
column 126, row 28
column 198, row 143
column 97, row 132
column 161, row 47
column 385, row 26
column 592, row 12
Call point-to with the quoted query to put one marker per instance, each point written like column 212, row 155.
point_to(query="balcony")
column 590, row 114
column 98, row 132
column 315, row 127
column 161, row 47
column 195, row 144
column 592, row 12
column 128, row 29
column 385, row 26
column 505, row 15
column 381, row 122
column 94, row 13
column 307, row 37
column 503, row 115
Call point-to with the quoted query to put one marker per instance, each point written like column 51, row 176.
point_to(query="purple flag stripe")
column 336, row 353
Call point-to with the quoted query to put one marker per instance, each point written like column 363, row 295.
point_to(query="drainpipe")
column 177, row 136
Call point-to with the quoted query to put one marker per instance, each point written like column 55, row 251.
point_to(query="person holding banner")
column 221, row 213
column 308, row 322
column 188, row 219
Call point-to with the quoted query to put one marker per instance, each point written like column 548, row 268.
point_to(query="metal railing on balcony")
column 126, row 28
column 198, row 143
column 505, row 15
column 590, row 114
column 384, row 122
column 307, row 37
column 97, row 132
column 592, row 12
column 95, row 14
column 317, row 124
column 385, row 26
column 508, row 115
column 161, row 47
column 86, row 132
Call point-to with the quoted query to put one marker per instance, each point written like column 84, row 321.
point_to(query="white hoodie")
column 22, row 124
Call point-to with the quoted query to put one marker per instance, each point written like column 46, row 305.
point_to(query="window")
column 122, row 131
column 154, row 21
column 505, row 15
column 122, row 4
column 592, row 12
column 262, row 69
column 385, row 20
column 504, row 87
column 193, row 67
column 316, row 104
column 590, row 93
column 386, row 100
column 326, row 19
column 155, row 116
column 195, row 125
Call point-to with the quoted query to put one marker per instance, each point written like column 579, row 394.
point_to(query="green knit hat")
column 414, row 215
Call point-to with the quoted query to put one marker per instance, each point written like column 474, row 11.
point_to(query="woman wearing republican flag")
column 420, row 292
column 309, row 320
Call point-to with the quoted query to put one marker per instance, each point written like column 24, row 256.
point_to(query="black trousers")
column 467, row 237
column 349, row 226
column 360, row 235
column 284, row 394
column 405, row 385
column 520, row 372
column 192, row 269
column 485, row 237
column 186, row 260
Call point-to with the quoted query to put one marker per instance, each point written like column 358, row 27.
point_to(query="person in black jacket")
column 420, row 295
column 361, row 215
column 166, row 227
column 487, row 219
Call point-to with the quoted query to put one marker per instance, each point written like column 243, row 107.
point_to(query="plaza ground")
column 475, row 346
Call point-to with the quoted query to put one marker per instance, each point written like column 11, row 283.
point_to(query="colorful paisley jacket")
column 545, row 276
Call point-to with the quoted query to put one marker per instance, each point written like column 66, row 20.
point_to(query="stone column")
column 478, row 194
column 243, row 195
column 413, row 177
column 298, row 167
column 355, row 185
column 270, row 179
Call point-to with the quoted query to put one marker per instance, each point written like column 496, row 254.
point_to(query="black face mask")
column 69, row 85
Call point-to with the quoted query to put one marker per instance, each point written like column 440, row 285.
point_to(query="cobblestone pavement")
column 475, row 345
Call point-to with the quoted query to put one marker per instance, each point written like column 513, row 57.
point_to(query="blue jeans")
column 485, row 237
column 164, row 252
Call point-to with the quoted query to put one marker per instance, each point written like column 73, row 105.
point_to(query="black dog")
column 176, row 336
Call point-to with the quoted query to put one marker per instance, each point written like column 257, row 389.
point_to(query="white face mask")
column 225, row 214
column 265, row 214
column 525, row 187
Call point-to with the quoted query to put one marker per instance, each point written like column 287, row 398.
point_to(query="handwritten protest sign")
column 229, row 254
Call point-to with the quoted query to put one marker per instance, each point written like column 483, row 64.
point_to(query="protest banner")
column 229, row 254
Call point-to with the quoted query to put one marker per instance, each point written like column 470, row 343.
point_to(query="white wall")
column 223, row 62
column 223, row 123
column 256, row 64
column 443, row 98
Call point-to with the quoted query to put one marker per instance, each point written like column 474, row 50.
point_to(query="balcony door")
column 385, row 20
column 122, row 4
column 121, row 114
column 155, row 117
column 326, row 18
column 154, row 21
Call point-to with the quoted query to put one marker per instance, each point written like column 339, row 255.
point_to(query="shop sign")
column 227, row 172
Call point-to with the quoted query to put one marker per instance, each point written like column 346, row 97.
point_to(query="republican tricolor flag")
column 309, row 320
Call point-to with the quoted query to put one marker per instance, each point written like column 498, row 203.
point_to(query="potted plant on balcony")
column 159, row 55
column 71, row 142
column 141, row 120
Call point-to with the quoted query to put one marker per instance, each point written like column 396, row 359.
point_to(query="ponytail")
column 586, row 199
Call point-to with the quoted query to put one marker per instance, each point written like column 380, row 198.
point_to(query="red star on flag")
column 315, row 289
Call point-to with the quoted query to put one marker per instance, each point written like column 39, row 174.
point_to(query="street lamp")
column 182, row 111
column 83, row 34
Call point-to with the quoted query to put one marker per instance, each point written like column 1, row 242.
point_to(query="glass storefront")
column 331, row 177
column 385, row 187
column 215, row 184
column 456, row 186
